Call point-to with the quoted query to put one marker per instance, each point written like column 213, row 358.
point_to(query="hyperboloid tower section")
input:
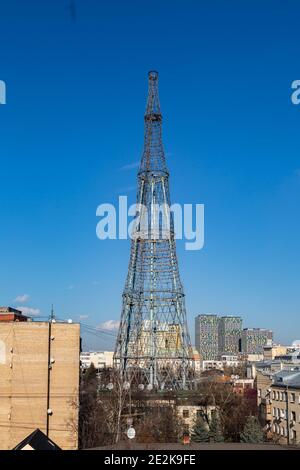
column 153, row 348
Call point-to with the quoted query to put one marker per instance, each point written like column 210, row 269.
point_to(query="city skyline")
column 71, row 138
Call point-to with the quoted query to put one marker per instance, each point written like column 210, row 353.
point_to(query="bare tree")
column 233, row 409
column 160, row 423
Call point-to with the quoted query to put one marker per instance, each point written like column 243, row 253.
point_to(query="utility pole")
column 287, row 413
column 51, row 320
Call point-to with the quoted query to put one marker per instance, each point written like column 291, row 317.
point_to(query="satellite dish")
column 149, row 387
column 131, row 433
column 110, row 386
column 141, row 387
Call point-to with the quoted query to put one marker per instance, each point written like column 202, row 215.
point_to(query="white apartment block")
column 225, row 361
column 100, row 359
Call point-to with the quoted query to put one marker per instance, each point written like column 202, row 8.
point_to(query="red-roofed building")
column 11, row 314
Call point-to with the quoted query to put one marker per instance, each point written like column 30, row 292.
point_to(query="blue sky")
column 76, row 92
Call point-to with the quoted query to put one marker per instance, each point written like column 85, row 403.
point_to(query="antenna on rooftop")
column 52, row 314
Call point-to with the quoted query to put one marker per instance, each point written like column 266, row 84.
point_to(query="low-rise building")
column 241, row 386
column 290, row 362
column 189, row 414
column 39, row 380
column 285, row 405
column 272, row 350
column 11, row 314
column 212, row 365
column 278, row 399
column 251, row 357
column 100, row 359
column 225, row 361
column 263, row 383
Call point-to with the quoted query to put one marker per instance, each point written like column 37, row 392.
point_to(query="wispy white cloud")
column 109, row 325
column 34, row 312
column 22, row 298
column 130, row 166
column 83, row 317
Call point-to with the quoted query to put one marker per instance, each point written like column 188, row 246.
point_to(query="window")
column 277, row 395
column 281, row 396
column 282, row 431
column 293, row 398
column 282, row 413
column 274, row 428
column 294, row 435
column 274, row 412
column 185, row 413
column 293, row 416
column 259, row 392
column 273, row 395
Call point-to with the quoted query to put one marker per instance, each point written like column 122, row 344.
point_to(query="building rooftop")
column 287, row 378
column 37, row 440
column 9, row 310
column 10, row 314
column 257, row 329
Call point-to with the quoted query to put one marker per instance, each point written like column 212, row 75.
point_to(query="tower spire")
column 153, row 346
column 153, row 159
column 153, row 107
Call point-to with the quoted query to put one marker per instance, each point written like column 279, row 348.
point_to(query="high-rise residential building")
column 39, row 379
column 253, row 340
column 206, row 336
column 230, row 328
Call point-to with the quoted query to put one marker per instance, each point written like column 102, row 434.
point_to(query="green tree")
column 252, row 432
column 215, row 429
column 200, row 431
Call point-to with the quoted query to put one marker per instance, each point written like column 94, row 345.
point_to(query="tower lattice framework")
column 153, row 346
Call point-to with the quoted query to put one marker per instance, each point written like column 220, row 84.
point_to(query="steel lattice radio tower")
column 153, row 346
